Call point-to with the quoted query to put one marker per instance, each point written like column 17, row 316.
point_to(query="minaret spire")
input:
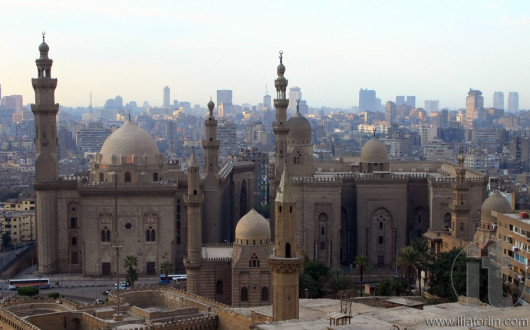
column 280, row 128
column 194, row 200
column 211, row 144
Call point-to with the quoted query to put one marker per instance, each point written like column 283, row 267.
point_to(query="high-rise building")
column 390, row 112
column 166, row 97
column 400, row 100
column 411, row 101
column 295, row 93
column 432, row 105
column 13, row 102
column 367, row 100
column 498, row 100
column 267, row 100
column 224, row 102
column 513, row 101
column 474, row 104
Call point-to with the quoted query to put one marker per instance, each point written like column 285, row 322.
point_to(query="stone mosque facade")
column 135, row 201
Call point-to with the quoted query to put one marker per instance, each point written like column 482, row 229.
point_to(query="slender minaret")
column 46, row 163
column 45, row 111
column 285, row 263
column 280, row 128
column 194, row 201
column 460, row 225
column 210, row 144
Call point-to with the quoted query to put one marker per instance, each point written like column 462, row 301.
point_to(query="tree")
column 361, row 265
column 28, row 291
column 166, row 268
column 130, row 264
column 6, row 239
column 306, row 282
column 448, row 274
column 337, row 281
column 318, row 272
column 409, row 260
column 384, row 287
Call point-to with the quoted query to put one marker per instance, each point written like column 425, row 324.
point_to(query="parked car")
column 106, row 292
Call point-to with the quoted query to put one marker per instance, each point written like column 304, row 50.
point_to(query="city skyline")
column 438, row 51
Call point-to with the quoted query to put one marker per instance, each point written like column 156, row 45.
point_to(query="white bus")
column 42, row 283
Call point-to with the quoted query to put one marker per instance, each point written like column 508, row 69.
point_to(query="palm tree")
column 424, row 257
column 408, row 259
column 361, row 265
column 130, row 264
column 166, row 268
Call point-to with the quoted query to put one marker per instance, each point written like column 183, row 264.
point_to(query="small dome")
column 211, row 105
column 130, row 141
column 253, row 227
column 280, row 70
column 43, row 48
column 496, row 202
column 299, row 128
column 374, row 151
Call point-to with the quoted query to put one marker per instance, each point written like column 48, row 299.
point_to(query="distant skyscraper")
column 367, row 100
column 166, row 97
column 474, row 104
column 13, row 102
column 224, row 101
column 411, row 101
column 295, row 93
column 513, row 101
column 444, row 118
column 390, row 112
column 400, row 100
column 432, row 105
column 267, row 100
column 498, row 100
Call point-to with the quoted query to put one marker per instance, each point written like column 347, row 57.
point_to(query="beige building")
column 18, row 221
column 132, row 199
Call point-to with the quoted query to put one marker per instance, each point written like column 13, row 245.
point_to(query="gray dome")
column 496, row 202
column 132, row 142
column 374, row 151
column 253, row 226
column 299, row 129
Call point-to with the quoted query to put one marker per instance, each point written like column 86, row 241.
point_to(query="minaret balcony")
column 194, row 200
column 285, row 265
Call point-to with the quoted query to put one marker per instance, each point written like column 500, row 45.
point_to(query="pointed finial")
column 43, row 35
column 374, row 131
column 281, row 56
column 266, row 89
column 298, row 106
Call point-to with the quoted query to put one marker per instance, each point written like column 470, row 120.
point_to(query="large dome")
column 253, row 229
column 496, row 202
column 131, row 142
column 374, row 151
column 299, row 129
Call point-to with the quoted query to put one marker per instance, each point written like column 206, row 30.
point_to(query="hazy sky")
column 431, row 49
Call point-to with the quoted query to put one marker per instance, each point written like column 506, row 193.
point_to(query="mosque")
column 136, row 203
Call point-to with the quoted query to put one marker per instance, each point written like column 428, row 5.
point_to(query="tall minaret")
column 280, row 128
column 285, row 263
column 45, row 111
column 210, row 144
column 460, row 225
column 194, row 201
column 46, row 172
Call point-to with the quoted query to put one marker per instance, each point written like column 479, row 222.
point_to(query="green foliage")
column 130, row 264
column 361, row 265
column 54, row 295
column 166, row 268
column 9, row 193
column 337, row 281
column 6, row 239
column 398, row 286
column 29, row 291
column 313, row 278
column 442, row 282
column 384, row 288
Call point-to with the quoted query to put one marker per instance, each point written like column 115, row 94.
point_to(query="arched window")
column 127, row 177
column 244, row 294
column 219, row 287
column 105, row 235
column 287, row 250
column 150, row 235
column 264, row 294
column 447, row 220
column 254, row 261
column 461, row 226
column 74, row 241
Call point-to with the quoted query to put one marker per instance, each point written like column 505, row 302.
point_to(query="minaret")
column 280, row 127
column 285, row 263
column 210, row 144
column 46, row 171
column 194, row 201
column 45, row 111
column 460, row 226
